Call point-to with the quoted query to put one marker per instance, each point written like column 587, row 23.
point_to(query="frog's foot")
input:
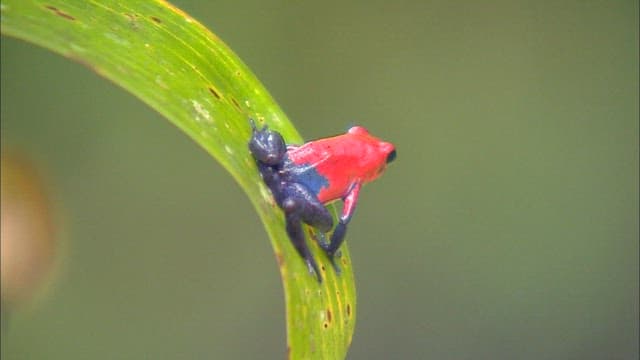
column 321, row 239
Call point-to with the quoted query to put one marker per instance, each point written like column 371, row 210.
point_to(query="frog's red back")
column 344, row 160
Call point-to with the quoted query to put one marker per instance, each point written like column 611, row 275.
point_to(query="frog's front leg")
column 348, row 208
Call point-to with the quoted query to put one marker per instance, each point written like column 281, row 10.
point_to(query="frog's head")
column 379, row 153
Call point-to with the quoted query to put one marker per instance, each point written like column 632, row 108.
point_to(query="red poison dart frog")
column 302, row 178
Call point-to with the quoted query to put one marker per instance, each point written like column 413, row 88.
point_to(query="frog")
column 304, row 178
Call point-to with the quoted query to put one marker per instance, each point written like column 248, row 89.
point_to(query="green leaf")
column 182, row 70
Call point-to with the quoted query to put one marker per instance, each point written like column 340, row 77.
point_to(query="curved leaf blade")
column 183, row 71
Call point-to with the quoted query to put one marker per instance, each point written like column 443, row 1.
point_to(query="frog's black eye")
column 391, row 156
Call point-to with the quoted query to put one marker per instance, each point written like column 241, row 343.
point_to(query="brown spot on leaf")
column 329, row 315
column 349, row 310
column 155, row 19
column 214, row 92
column 59, row 12
column 133, row 20
column 236, row 104
column 280, row 259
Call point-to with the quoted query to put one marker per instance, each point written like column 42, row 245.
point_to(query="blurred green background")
column 506, row 229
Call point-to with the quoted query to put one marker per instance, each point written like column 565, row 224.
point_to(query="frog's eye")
column 391, row 156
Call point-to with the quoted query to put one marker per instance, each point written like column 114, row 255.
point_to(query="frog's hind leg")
column 301, row 205
column 296, row 235
column 317, row 215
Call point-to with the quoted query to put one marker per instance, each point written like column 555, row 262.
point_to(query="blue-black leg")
column 337, row 238
column 298, row 199
column 324, row 244
column 312, row 212
column 296, row 235
column 301, row 205
column 348, row 207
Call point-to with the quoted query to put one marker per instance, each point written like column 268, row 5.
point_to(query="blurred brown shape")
column 28, row 233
